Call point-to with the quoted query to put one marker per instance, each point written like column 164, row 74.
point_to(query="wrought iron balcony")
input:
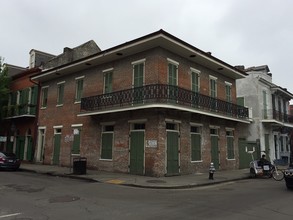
column 19, row 110
column 162, row 94
column 278, row 116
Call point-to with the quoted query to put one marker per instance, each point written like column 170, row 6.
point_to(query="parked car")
column 289, row 177
column 9, row 161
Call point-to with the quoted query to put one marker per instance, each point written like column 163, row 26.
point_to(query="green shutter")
column 172, row 69
column 60, row 94
column 108, row 82
column 195, row 147
column 79, row 89
column 230, row 147
column 44, row 97
column 76, row 143
column 138, row 75
column 195, row 82
column 107, row 143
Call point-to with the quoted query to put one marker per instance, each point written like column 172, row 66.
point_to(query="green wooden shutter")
column 76, row 143
column 195, row 147
column 34, row 100
column 107, row 143
column 194, row 82
column 230, row 147
column 60, row 94
column 79, row 89
column 44, row 97
column 108, row 82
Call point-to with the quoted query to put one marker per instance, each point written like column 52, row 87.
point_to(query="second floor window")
column 228, row 92
column 195, row 80
column 138, row 75
column 108, row 76
column 60, row 93
column 172, row 74
column 78, row 89
column 213, row 87
column 44, row 97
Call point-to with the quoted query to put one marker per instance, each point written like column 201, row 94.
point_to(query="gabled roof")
column 157, row 39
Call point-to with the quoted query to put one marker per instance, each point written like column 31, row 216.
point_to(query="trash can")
column 79, row 165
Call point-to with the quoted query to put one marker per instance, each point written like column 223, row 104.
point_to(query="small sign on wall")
column 3, row 139
column 152, row 143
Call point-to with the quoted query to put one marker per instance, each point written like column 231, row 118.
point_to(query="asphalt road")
column 32, row 196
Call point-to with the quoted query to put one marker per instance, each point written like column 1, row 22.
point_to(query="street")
column 25, row 195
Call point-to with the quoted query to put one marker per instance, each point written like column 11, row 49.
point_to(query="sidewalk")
column 173, row 182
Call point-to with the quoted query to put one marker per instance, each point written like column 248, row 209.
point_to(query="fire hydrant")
column 211, row 171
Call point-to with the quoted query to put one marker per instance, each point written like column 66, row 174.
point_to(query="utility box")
column 79, row 165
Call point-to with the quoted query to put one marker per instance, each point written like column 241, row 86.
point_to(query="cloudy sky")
column 239, row 32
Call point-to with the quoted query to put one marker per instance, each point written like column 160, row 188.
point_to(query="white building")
column 269, row 103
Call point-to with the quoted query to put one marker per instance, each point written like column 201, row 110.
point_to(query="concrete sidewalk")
column 173, row 182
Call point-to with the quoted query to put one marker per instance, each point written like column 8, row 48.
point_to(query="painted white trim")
column 213, row 77
column 173, row 61
column 228, row 83
column 76, row 125
column 196, row 124
column 108, row 70
column 62, row 82
column 229, row 129
column 195, row 70
column 172, row 121
column 214, row 127
column 44, row 87
column 138, row 61
column 58, row 126
column 80, row 77
column 42, row 128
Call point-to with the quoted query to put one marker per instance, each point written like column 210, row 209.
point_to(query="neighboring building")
column 19, row 125
column 152, row 106
column 272, row 121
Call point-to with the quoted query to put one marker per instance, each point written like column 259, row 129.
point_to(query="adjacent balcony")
column 162, row 94
column 278, row 116
column 19, row 110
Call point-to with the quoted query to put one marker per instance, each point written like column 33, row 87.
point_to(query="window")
column 195, row 143
column 60, row 93
column 172, row 74
column 107, row 142
column 213, row 87
column 78, row 89
column 228, row 87
column 108, row 76
column 76, row 140
column 44, row 97
column 195, row 80
column 264, row 94
column 230, row 144
column 138, row 75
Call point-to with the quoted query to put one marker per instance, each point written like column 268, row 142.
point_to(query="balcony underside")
column 162, row 96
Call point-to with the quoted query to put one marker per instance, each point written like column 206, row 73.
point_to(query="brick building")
column 152, row 106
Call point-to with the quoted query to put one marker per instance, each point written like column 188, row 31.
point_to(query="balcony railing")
column 162, row 94
column 18, row 110
column 278, row 116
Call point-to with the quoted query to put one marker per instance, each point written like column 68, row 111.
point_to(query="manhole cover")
column 156, row 181
column 61, row 199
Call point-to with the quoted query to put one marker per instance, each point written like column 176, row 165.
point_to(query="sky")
column 239, row 32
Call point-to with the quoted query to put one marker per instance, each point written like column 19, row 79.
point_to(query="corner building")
column 152, row 106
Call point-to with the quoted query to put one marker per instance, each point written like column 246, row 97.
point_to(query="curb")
column 88, row 179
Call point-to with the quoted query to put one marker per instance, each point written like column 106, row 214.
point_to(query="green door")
column 137, row 152
column 215, row 151
column 57, row 142
column 20, row 141
column 172, row 153
column 244, row 157
column 29, row 152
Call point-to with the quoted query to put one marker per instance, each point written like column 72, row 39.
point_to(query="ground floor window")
column 195, row 143
column 230, row 144
column 107, row 142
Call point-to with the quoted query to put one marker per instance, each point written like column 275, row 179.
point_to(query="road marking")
column 6, row 216
column 115, row 181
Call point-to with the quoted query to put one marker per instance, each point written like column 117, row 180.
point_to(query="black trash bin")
column 79, row 165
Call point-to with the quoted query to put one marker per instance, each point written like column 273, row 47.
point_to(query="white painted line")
column 6, row 216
